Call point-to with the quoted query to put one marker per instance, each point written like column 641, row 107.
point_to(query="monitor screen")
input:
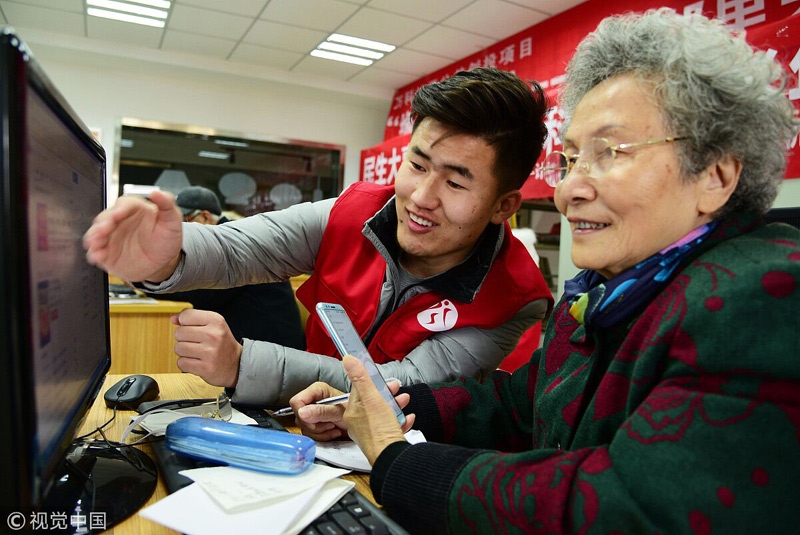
column 67, row 304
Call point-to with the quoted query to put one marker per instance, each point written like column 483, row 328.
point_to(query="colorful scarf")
column 598, row 302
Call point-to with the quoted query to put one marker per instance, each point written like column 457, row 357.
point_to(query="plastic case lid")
column 243, row 446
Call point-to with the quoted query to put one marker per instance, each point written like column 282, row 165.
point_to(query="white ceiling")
column 272, row 38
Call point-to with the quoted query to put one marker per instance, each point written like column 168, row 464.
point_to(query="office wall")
column 789, row 196
column 102, row 89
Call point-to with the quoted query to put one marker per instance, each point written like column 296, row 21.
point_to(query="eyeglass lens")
column 597, row 159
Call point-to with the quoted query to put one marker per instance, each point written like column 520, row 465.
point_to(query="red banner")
column 781, row 39
column 379, row 164
column 542, row 51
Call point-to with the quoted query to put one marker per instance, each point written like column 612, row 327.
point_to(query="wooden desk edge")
column 159, row 307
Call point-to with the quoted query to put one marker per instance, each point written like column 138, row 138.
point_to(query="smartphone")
column 347, row 342
column 139, row 190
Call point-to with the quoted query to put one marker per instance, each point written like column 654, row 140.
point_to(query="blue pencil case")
column 243, row 446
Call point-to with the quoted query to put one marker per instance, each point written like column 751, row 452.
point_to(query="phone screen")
column 347, row 342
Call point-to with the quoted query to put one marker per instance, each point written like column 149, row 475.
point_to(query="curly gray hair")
column 713, row 87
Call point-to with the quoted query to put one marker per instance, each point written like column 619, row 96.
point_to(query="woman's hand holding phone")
column 370, row 422
column 348, row 342
column 366, row 417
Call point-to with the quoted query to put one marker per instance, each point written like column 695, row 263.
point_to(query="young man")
column 428, row 270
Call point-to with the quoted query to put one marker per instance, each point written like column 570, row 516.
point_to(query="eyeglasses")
column 220, row 409
column 188, row 217
column 597, row 159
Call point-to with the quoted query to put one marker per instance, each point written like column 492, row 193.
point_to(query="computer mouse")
column 132, row 390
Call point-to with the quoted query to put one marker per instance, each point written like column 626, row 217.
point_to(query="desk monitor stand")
column 101, row 486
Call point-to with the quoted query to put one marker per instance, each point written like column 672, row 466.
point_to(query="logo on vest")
column 440, row 317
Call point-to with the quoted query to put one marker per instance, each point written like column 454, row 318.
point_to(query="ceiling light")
column 214, row 155
column 128, row 8
column 341, row 57
column 124, row 17
column 163, row 4
column 231, row 143
column 357, row 41
column 351, row 50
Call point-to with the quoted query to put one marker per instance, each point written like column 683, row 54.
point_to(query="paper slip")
column 157, row 422
column 347, row 454
column 191, row 511
column 236, row 489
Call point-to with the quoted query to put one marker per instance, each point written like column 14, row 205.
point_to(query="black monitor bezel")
column 25, row 484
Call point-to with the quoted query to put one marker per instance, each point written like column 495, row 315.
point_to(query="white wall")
column 102, row 89
column 788, row 196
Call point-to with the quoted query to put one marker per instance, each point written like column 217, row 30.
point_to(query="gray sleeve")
column 262, row 248
column 467, row 352
column 270, row 374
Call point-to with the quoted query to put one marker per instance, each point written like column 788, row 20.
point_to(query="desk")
column 173, row 386
column 142, row 337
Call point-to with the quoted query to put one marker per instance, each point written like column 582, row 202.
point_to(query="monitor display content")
column 67, row 299
column 54, row 319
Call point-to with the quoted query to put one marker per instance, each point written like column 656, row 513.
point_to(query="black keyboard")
column 353, row 514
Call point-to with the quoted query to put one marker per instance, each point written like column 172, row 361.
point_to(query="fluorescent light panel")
column 214, row 155
column 364, row 43
column 124, row 17
column 128, row 8
column 344, row 49
column 163, row 4
column 340, row 57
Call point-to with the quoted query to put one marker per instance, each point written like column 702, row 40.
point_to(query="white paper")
column 157, row 422
column 330, row 494
column 347, row 454
column 236, row 489
column 191, row 511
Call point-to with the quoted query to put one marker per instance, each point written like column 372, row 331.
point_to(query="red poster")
column 542, row 51
column 782, row 39
column 379, row 164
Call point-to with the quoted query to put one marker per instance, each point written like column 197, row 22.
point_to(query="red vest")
column 350, row 271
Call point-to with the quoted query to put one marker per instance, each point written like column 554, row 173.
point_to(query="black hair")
column 496, row 106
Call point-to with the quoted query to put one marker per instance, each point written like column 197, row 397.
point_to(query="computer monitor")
column 790, row 216
column 54, row 320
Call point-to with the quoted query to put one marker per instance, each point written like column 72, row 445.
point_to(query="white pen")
column 335, row 400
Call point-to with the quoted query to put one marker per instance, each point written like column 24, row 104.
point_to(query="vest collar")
column 461, row 282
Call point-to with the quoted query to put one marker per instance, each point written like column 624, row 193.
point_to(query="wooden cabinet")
column 142, row 336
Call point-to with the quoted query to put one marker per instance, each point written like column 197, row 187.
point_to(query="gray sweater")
column 277, row 245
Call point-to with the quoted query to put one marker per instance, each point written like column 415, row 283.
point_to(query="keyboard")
column 353, row 514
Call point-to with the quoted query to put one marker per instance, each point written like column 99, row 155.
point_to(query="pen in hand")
column 335, row 400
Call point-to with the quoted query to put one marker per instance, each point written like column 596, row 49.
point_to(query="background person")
column 666, row 397
column 418, row 266
column 266, row 312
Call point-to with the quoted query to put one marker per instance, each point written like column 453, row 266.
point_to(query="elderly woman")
column 666, row 398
